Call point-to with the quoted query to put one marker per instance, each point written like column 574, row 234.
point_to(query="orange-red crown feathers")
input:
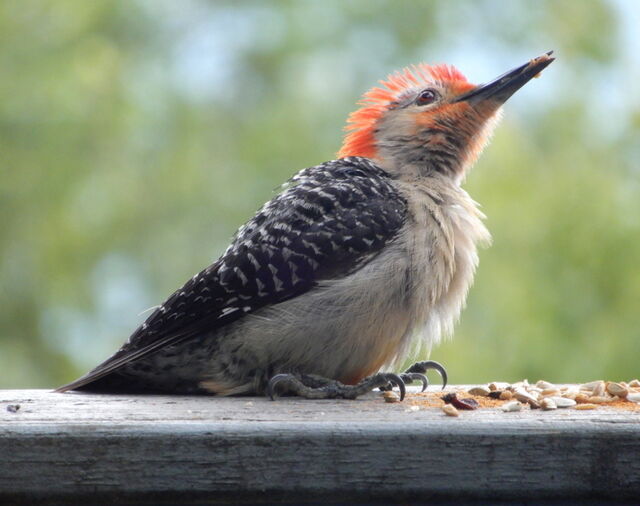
column 359, row 140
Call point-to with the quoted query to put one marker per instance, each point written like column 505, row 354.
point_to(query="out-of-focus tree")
column 135, row 136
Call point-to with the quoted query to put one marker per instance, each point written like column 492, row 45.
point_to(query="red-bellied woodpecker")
column 354, row 260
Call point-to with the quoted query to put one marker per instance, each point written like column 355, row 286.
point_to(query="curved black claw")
column 278, row 378
column 423, row 367
column 410, row 377
column 394, row 379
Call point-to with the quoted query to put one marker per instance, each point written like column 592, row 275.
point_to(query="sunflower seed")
column 547, row 404
column 498, row 385
column 520, row 384
column 450, row 410
column 633, row 397
column 482, row 390
column 571, row 391
column 522, row 395
column 617, row 389
column 563, row 402
column 599, row 389
column 591, row 385
column 581, row 398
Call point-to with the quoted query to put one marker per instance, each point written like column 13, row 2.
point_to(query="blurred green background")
column 136, row 136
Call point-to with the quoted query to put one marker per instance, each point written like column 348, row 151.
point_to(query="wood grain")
column 104, row 448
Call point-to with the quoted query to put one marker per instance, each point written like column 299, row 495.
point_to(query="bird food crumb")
column 450, row 410
column 13, row 408
column 390, row 396
column 511, row 406
column 547, row 404
column 536, row 61
column 634, row 397
column 468, row 404
column 481, row 390
column 586, row 406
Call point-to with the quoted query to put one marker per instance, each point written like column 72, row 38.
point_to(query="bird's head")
column 429, row 119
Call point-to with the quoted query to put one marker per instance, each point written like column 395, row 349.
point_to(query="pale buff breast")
column 448, row 230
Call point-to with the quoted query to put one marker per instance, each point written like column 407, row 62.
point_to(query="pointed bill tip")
column 501, row 88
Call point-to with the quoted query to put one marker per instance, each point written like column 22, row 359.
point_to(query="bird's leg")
column 311, row 386
column 417, row 372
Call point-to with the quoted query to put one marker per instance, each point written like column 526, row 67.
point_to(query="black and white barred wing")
column 328, row 222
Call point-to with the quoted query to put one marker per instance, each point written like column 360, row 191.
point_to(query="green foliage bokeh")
column 136, row 136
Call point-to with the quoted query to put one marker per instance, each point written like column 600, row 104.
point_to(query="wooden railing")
column 91, row 449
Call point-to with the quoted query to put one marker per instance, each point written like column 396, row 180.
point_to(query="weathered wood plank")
column 75, row 446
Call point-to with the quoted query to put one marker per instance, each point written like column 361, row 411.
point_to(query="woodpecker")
column 353, row 262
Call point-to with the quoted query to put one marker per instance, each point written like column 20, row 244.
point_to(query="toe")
column 397, row 380
column 271, row 387
column 415, row 376
column 423, row 367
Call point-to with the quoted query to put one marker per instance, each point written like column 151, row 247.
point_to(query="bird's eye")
column 427, row 97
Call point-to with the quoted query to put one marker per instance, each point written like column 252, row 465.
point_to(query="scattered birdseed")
column 450, row 410
column 586, row 406
column 547, row 404
column 519, row 384
column 511, row 406
column 13, row 408
column 581, row 398
column 598, row 399
column 566, row 396
column 617, row 389
column 634, row 397
column 599, row 389
column 506, row 395
column 468, row 404
column 523, row 396
column 591, row 386
column 482, row 391
column 498, row 385
column 390, row 396
column 563, row 402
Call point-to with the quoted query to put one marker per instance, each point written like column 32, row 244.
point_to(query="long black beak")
column 500, row 89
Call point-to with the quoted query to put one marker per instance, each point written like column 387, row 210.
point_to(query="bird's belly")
column 344, row 329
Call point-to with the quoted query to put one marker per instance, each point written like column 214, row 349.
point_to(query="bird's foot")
column 417, row 372
column 316, row 387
